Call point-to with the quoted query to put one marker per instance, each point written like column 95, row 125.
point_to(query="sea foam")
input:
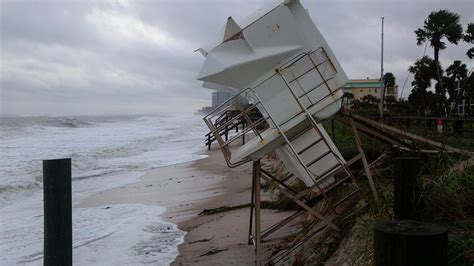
column 121, row 234
column 106, row 152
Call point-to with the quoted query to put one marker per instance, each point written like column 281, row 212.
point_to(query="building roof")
column 363, row 83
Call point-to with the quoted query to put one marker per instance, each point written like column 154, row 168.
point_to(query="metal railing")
column 267, row 121
column 253, row 126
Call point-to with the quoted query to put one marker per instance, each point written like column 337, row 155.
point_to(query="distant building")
column 465, row 105
column 362, row 87
column 204, row 110
column 219, row 97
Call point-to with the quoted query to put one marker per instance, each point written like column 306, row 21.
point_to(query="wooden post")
column 57, row 212
column 252, row 202
column 209, row 141
column 364, row 159
column 243, row 133
column 406, row 242
column 256, row 174
column 406, row 192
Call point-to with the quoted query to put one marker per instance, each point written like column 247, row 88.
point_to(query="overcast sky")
column 107, row 57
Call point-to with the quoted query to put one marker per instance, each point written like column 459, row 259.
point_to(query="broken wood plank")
column 408, row 134
column 364, row 159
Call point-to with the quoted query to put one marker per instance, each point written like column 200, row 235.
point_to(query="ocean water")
column 106, row 152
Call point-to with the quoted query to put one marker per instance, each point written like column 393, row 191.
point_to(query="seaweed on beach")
column 263, row 205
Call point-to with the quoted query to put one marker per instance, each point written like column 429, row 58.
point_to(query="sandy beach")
column 186, row 190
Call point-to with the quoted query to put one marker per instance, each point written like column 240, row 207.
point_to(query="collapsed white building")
column 279, row 61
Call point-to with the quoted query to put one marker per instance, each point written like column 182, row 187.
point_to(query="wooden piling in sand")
column 258, row 249
column 57, row 212
column 407, row 242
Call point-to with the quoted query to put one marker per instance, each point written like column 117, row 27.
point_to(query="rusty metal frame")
column 243, row 114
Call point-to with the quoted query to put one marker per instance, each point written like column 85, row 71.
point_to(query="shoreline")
column 162, row 186
column 222, row 238
column 187, row 189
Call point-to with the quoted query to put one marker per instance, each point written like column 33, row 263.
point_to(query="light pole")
column 382, row 87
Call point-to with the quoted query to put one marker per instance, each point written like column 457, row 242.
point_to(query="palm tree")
column 469, row 38
column 389, row 80
column 420, row 98
column 439, row 25
column 456, row 77
column 457, row 71
column 423, row 71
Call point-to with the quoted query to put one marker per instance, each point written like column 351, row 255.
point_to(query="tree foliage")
column 469, row 38
column 389, row 80
column 440, row 25
column 420, row 98
column 423, row 71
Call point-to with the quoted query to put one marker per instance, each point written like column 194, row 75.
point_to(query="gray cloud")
column 90, row 57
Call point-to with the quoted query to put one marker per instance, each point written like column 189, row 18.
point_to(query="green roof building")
column 362, row 87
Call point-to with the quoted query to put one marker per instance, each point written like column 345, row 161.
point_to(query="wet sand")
column 180, row 188
column 186, row 190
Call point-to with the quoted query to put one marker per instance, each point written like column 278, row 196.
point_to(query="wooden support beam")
column 243, row 135
column 258, row 249
column 354, row 159
column 209, row 142
column 364, row 159
column 380, row 135
column 281, row 223
column 300, row 203
column 252, row 202
column 408, row 134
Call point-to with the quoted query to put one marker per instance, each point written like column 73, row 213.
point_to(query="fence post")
column 57, row 212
